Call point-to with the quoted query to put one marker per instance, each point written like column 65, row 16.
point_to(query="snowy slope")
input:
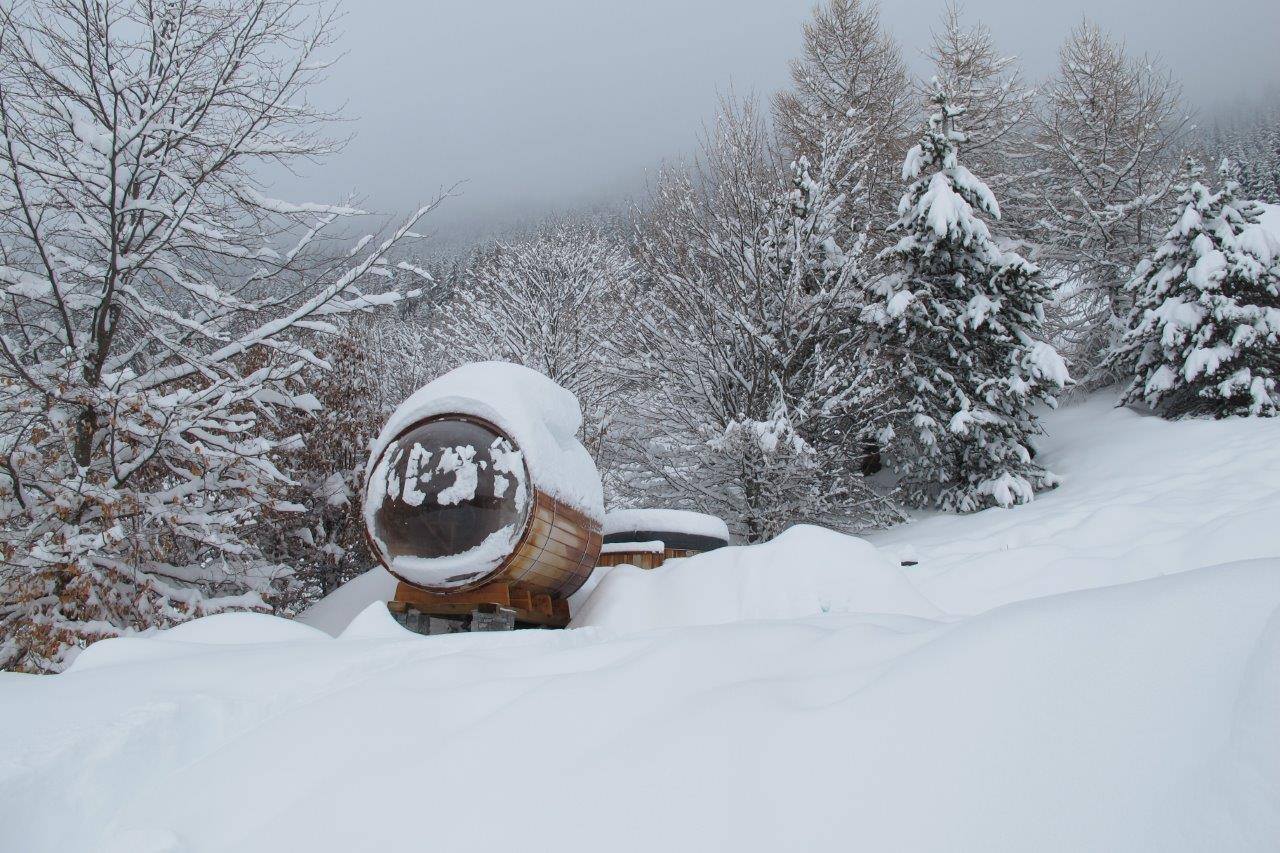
column 1120, row 716
column 1141, row 497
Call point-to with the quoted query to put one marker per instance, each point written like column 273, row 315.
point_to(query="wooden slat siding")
column 521, row 599
column 643, row 559
column 558, row 550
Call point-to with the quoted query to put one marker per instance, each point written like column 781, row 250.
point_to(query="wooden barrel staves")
column 452, row 512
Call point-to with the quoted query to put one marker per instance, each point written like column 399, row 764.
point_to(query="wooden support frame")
column 531, row 608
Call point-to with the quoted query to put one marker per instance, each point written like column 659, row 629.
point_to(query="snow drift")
column 1115, row 686
column 806, row 571
column 1137, row 717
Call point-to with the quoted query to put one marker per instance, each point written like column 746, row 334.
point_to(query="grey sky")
column 541, row 104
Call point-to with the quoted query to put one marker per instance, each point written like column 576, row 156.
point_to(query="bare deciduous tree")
column 157, row 307
column 850, row 76
column 1105, row 148
column 555, row 301
column 757, row 395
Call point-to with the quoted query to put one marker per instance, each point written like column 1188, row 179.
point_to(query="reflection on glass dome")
column 447, row 500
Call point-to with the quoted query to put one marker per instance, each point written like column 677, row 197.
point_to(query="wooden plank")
column 494, row 593
column 560, row 611
column 571, row 553
column 521, row 599
column 542, row 604
column 572, row 537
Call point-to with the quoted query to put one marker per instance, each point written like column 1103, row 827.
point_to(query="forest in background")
column 852, row 302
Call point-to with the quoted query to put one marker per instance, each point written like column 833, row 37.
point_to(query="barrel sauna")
column 452, row 512
column 647, row 538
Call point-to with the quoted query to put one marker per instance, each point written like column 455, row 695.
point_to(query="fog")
column 555, row 104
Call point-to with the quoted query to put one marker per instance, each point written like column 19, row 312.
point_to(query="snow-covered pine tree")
column 159, row 310
column 1250, row 139
column 757, row 391
column 988, row 87
column 1204, row 334
column 961, row 321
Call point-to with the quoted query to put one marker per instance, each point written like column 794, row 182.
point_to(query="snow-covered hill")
column 1099, row 670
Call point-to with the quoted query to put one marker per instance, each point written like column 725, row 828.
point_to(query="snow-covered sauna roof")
column 541, row 417
column 669, row 525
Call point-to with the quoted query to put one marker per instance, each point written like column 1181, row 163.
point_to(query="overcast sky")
column 543, row 104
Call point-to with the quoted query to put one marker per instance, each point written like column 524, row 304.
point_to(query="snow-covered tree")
column 988, row 86
column 756, row 392
column 1250, row 139
column 556, row 301
column 158, row 310
column 850, row 77
column 374, row 363
column 1104, row 151
column 962, row 322
column 1204, row 333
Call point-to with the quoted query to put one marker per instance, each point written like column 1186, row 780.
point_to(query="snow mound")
column 375, row 622
column 805, row 571
column 541, row 417
column 665, row 521
column 333, row 613
column 220, row 629
column 235, row 629
column 1137, row 717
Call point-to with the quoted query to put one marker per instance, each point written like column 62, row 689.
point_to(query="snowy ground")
column 1099, row 670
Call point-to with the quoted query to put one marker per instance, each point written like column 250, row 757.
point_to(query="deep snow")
column 972, row 702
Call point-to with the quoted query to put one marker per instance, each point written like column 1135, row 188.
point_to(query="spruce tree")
column 962, row 320
column 1203, row 337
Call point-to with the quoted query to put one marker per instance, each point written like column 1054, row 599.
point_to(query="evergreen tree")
column 962, row 320
column 1204, row 334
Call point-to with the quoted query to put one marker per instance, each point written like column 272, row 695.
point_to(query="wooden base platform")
column 531, row 608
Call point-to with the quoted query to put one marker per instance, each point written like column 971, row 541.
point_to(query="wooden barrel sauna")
column 647, row 538
column 452, row 512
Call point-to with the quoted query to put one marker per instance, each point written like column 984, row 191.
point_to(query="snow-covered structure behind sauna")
column 478, row 491
column 647, row 537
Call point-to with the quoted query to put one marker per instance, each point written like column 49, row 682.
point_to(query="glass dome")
column 447, row 501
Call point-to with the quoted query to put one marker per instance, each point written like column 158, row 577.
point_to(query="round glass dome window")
column 447, row 501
